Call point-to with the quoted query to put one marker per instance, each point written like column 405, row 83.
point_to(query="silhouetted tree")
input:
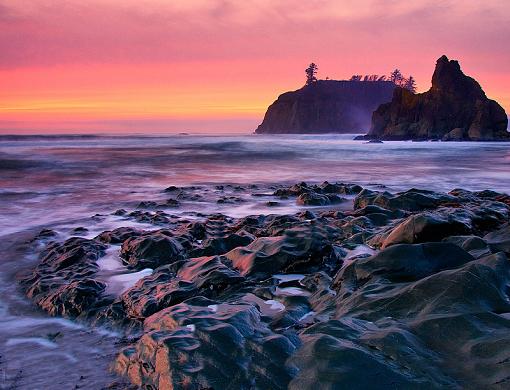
column 382, row 78
column 311, row 73
column 356, row 77
column 396, row 77
column 410, row 84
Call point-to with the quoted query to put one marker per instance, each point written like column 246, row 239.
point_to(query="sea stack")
column 454, row 109
column 326, row 106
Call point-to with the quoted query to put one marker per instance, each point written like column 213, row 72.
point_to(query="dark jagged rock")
column 73, row 299
column 445, row 312
column 424, row 227
column 298, row 249
column 410, row 200
column 474, row 245
column 221, row 245
column 354, row 354
column 63, row 283
column 300, row 301
column 500, row 239
column 119, row 235
column 326, row 106
column 170, row 285
column 151, row 250
column 454, row 109
column 184, row 345
column 406, row 262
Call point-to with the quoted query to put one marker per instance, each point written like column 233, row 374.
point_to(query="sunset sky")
column 215, row 65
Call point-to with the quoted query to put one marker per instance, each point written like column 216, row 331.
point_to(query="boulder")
column 205, row 344
column 405, row 262
column 474, row 245
column 71, row 300
column 119, row 235
column 426, row 226
column 499, row 240
column 172, row 284
column 410, row 200
column 151, row 250
column 298, row 249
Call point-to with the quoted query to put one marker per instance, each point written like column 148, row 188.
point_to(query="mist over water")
column 45, row 179
column 61, row 182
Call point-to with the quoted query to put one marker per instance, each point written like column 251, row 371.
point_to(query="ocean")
column 66, row 182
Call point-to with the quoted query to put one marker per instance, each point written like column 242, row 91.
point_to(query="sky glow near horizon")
column 215, row 66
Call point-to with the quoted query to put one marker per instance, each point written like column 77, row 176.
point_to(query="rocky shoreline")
column 405, row 290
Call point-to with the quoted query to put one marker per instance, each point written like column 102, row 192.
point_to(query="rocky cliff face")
column 326, row 106
column 455, row 108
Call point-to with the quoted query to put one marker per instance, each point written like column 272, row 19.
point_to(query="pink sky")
column 197, row 65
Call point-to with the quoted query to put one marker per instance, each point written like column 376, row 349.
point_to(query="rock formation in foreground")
column 326, row 106
column 454, row 109
column 403, row 290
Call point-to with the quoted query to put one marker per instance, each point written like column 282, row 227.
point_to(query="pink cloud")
column 51, row 49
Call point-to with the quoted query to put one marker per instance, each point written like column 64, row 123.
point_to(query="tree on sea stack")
column 410, row 84
column 311, row 73
column 396, row 77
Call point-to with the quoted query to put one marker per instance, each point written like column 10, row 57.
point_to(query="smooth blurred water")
column 61, row 182
column 54, row 178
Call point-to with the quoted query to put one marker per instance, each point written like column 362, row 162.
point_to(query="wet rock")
column 357, row 355
column 373, row 209
column 151, row 250
column 474, row 245
column 500, row 239
column 156, row 218
column 172, row 203
column 119, row 235
column 147, row 204
column 75, row 253
column 197, row 230
column 45, row 234
column 298, row 249
column 472, row 287
column 411, row 200
column 425, row 227
column 315, row 199
column 184, row 343
column 230, row 200
column 445, row 311
column 172, row 189
column 73, row 299
column 63, row 282
column 79, row 231
column 170, row 285
column 119, row 212
column 221, row 245
column 405, row 263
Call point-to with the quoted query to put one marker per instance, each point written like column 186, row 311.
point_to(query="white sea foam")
column 275, row 305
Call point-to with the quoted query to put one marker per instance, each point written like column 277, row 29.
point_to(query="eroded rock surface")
column 406, row 290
